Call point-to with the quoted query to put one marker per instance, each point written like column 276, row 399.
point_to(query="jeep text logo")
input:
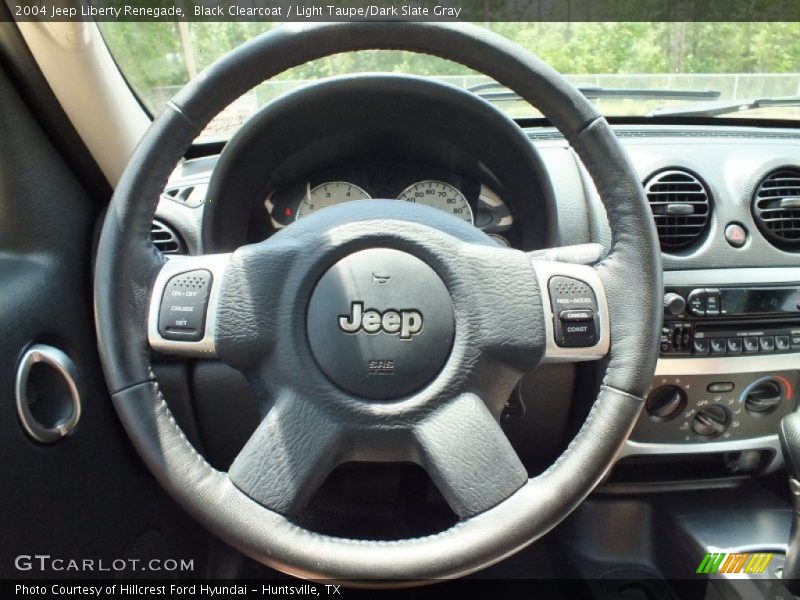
column 404, row 322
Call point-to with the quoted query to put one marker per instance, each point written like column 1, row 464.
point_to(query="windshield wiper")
column 724, row 107
column 595, row 92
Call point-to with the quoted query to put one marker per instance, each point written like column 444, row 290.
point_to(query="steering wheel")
column 386, row 332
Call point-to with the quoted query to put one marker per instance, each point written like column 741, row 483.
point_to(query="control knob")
column 674, row 304
column 665, row 402
column 763, row 398
column 711, row 421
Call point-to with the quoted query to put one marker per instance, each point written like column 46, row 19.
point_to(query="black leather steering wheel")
column 388, row 332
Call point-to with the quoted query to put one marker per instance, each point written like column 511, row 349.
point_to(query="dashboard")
column 726, row 203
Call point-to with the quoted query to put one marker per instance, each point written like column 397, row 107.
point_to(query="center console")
column 729, row 367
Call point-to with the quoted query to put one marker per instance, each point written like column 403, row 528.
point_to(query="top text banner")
column 416, row 10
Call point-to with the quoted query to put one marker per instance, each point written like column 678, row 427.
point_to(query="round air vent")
column 165, row 238
column 776, row 208
column 681, row 207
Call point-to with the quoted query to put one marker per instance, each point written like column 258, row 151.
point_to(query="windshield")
column 626, row 69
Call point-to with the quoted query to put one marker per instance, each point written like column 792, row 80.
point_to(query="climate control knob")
column 763, row 398
column 665, row 402
column 711, row 421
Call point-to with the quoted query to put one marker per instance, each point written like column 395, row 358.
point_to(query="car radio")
column 722, row 320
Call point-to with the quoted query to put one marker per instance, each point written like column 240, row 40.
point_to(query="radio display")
column 742, row 301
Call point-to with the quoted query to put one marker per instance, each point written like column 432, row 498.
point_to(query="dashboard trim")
column 767, row 442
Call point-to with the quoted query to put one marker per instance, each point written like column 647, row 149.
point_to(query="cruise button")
column 576, row 315
column 182, row 315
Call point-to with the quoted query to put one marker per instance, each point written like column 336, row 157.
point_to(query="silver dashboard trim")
column 767, row 442
column 217, row 264
column 710, row 365
column 740, row 277
column 553, row 353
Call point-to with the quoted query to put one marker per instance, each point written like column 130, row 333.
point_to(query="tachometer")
column 441, row 195
column 328, row 194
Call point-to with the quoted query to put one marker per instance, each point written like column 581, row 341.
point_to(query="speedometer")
column 328, row 194
column 441, row 195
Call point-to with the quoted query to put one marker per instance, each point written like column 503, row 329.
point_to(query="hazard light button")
column 736, row 235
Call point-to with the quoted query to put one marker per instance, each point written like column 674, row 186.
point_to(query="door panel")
column 88, row 495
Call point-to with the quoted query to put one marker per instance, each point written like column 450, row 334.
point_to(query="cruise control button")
column 734, row 345
column 700, row 346
column 751, row 344
column 574, row 308
column 767, row 343
column 578, row 335
column 182, row 315
column 576, row 315
column 719, row 346
column 782, row 342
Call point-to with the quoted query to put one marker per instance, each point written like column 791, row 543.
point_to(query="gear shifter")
column 790, row 444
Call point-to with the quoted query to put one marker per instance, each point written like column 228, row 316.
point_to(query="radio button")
column 697, row 302
column 719, row 346
column 782, row 342
column 734, row 345
column 795, row 341
column 751, row 344
column 700, row 346
column 712, row 302
column 767, row 343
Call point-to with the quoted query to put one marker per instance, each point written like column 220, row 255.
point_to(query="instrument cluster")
column 463, row 198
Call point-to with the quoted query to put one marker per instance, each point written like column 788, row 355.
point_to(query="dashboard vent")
column 776, row 208
column 681, row 207
column 165, row 238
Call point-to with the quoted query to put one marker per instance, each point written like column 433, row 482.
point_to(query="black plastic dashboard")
column 729, row 163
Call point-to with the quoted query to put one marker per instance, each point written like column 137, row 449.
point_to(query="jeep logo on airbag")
column 404, row 322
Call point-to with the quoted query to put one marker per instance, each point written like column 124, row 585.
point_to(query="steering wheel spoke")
column 185, row 303
column 289, row 455
column 468, row 457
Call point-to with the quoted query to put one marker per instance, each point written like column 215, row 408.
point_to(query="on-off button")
column 182, row 315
